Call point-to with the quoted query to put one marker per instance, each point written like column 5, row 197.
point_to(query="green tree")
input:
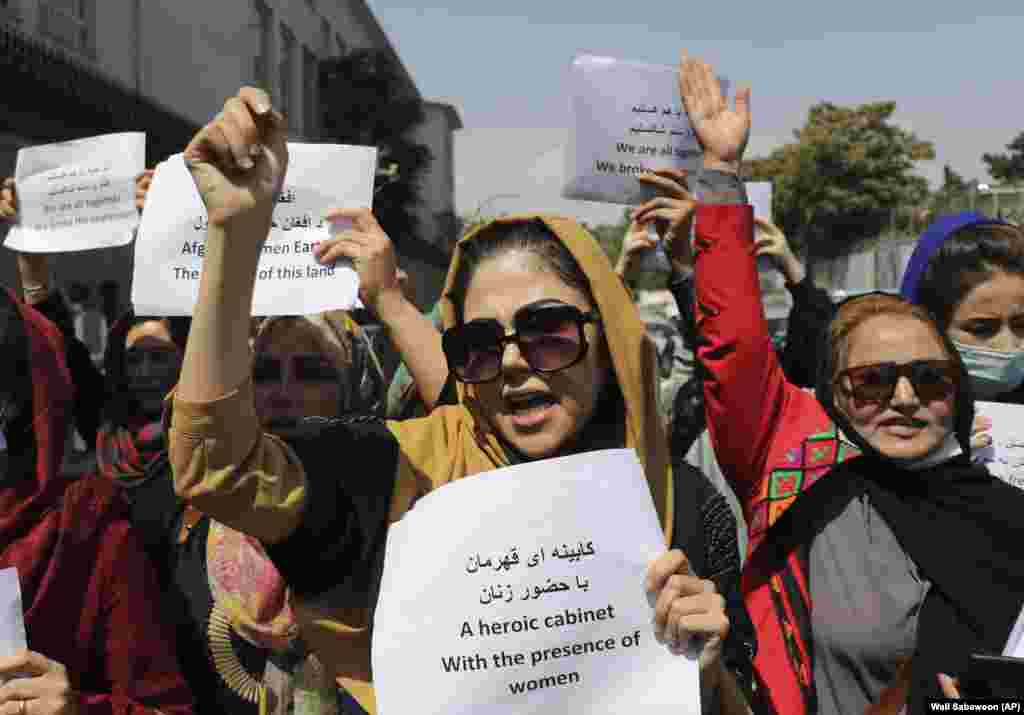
column 952, row 196
column 849, row 169
column 1009, row 167
column 367, row 100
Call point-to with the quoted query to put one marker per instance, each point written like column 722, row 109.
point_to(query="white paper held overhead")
column 77, row 195
column 627, row 118
column 172, row 236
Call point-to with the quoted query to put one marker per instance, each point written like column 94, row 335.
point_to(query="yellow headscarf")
column 455, row 441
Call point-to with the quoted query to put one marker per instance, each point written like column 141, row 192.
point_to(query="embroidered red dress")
column 772, row 440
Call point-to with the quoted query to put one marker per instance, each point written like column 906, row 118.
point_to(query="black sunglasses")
column 549, row 335
column 932, row 380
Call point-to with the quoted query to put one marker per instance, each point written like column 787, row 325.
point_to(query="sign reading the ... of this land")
column 172, row 237
column 522, row 590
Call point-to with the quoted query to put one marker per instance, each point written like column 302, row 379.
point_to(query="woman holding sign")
column 239, row 643
column 861, row 499
column 572, row 381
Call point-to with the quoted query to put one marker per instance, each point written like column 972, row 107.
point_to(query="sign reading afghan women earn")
column 522, row 591
column 172, row 235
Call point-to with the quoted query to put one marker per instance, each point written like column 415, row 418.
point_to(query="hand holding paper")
column 370, row 250
column 537, row 603
column 771, row 242
column 36, row 685
column 686, row 607
column 142, row 183
column 723, row 132
column 635, row 244
column 671, row 213
column 9, row 200
column 239, row 159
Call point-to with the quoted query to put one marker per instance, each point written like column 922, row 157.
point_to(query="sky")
column 953, row 68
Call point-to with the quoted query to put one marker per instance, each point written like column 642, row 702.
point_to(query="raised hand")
column 723, row 132
column 372, row 253
column 239, row 159
column 772, row 243
column 672, row 214
column 8, row 200
column 142, row 184
column 33, row 268
column 635, row 242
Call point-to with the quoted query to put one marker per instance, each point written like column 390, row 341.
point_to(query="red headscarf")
column 29, row 527
column 42, row 515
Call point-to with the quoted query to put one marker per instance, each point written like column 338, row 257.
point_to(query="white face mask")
column 993, row 372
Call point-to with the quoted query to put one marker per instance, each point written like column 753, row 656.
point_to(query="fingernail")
column 262, row 107
column 246, row 163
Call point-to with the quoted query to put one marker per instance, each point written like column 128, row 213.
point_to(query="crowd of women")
column 225, row 554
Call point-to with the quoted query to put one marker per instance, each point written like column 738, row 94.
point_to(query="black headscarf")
column 121, row 406
column 18, row 457
column 962, row 527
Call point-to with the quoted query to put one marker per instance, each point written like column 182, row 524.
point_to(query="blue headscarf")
column 930, row 241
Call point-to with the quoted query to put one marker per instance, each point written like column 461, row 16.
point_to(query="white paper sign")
column 289, row 281
column 78, row 194
column 522, row 591
column 12, row 617
column 759, row 195
column 1015, row 643
column 628, row 118
column 1005, row 457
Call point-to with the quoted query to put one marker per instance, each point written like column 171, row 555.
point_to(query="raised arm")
column 413, row 333
column 319, row 529
column 238, row 162
column 812, row 307
column 744, row 387
column 37, row 290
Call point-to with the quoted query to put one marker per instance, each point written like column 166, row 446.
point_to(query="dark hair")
column 16, row 374
column 528, row 237
column 120, row 405
column 78, row 292
column 968, row 258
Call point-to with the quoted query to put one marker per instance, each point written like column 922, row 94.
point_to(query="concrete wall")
column 879, row 267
